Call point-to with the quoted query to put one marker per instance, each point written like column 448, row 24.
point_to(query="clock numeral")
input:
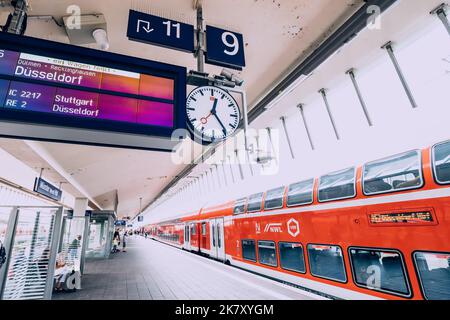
column 192, row 98
column 201, row 92
column 231, row 105
column 233, row 115
column 232, row 125
column 192, row 109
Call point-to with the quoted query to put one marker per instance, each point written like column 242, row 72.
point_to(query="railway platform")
column 151, row 270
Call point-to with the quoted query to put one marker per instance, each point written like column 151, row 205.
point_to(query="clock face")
column 212, row 114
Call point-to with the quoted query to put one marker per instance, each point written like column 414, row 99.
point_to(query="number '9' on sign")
column 224, row 48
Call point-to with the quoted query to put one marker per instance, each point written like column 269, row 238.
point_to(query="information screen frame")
column 67, row 52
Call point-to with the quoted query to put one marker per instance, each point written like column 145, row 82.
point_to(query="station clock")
column 212, row 114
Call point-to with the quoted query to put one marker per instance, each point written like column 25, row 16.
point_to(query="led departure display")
column 418, row 217
column 87, row 91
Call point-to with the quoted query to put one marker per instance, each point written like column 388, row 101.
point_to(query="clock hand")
column 204, row 120
column 221, row 124
column 213, row 110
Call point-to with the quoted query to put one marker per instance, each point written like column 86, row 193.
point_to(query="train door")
column 217, row 239
column 187, row 237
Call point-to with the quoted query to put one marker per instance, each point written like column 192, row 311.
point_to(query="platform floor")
column 151, row 270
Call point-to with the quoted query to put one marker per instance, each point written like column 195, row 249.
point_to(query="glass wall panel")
column 29, row 264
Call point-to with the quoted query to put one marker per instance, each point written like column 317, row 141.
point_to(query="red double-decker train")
column 378, row 231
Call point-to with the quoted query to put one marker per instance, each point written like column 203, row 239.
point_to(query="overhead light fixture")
column 101, row 38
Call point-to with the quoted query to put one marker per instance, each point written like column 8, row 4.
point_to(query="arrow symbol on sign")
column 146, row 26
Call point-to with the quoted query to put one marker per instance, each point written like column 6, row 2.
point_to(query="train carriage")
column 378, row 231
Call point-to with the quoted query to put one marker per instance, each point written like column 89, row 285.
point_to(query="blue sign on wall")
column 120, row 223
column 163, row 32
column 224, row 48
column 47, row 189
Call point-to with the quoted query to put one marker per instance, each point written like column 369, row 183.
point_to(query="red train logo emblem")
column 293, row 227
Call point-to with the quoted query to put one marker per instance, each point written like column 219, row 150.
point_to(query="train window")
column 291, row 257
column 254, row 202
column 400, row 172
column 274, row 198
column 204, row 229
column 434, row 274
column 380, row 270
column 249, row 250
column 337, row 185
column 300, row 193
column 267, row 253
column 193, row 231
column 327, row 262
column 441, row 162
column 239, row 206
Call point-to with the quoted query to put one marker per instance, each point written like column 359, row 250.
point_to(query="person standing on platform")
column 116, row 234
column 73, row 247
column 124, row 241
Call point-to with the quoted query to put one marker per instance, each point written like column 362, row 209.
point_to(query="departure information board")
column 82, row 89
column 136, row 108
column 417, row 217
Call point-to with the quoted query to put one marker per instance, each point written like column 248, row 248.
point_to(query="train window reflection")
column 254, row 202
column 300, row 193
column 274, row 198
column 337, row 185
column 441, row 162
column 327, row 262
column 204, row 229
column 267, row 253
column 380, row 270
column 291, row 257
column 400, row 172
column 239, row 206
column 249, row 250
column 434, row 274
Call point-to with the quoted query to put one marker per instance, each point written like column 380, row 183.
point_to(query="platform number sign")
column 147, row 28
column 224, row 48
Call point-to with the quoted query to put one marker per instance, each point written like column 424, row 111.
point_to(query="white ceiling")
column 276, row 35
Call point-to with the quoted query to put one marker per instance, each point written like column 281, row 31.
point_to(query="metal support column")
column 442, row 15
column 8, row 243
column 224, row 173
column 53, row 253
column 85, row 241
column 351, row 73
column 208, row 186
column 300, row 107
column 327, row 105
column 288, row 139
column 236, row 152
column 269, row 134
column 390, row 51
column 247, row 152
column 231, row 169
column 217, row 175
column 200, row 54
column 213, row 183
